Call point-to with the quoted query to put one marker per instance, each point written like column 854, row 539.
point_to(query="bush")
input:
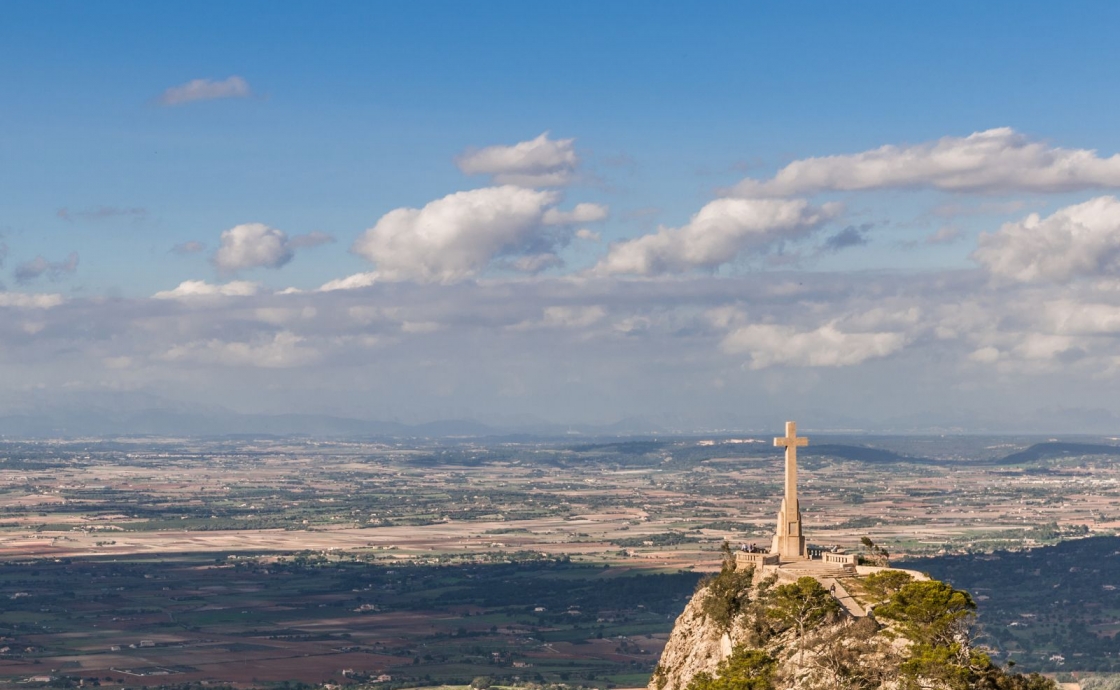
column 728, row 593
column 745, row 669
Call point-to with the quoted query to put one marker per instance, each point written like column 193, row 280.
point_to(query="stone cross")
column 789, row 540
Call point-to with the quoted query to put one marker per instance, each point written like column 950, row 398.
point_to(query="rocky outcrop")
column 695, row 645
column 698, row 643
column 795, row 631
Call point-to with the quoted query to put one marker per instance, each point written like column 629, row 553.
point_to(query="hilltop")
column 760, row 630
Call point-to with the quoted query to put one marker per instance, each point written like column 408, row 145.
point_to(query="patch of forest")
column 1053, row 608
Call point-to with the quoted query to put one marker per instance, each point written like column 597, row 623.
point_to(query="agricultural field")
column 249, row 561
column 251, row 619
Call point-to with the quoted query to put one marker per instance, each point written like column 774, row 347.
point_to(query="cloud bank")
column 469, row 302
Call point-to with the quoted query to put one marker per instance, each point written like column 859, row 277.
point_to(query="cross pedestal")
column 789, row 540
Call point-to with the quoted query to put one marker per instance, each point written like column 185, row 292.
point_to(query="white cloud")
column 456, row 237
column 985, row 355
column 283, row 350
column 353, row 282
column 200, row 289
column 589, row 235
column 23, row 300
column 994, row 160
column 1073, row 317
column 540, row 162
column 582, row 213
column 717, row 234
column 205, row 90
column 283, row 315
column 252, row 245
column 255, row 245
column 1078, row 240
column 1043, row 346
column 770, row 344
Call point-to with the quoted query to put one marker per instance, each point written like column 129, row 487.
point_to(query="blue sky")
column 338, row 116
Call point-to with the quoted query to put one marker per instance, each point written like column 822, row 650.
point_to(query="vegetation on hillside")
column 728, row 592
column 918, row 637
column 1051, row 609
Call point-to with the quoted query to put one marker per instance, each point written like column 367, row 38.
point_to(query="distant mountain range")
column 140, row 414
column 1039, row 451
column 100, row 414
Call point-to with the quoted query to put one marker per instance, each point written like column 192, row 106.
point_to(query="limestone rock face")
column 698, row 645
column 695, row 645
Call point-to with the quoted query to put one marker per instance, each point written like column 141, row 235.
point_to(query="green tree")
column 728, row 592
column 930, row 612
column 883, row 585
column 803, row 604
column 745, row 669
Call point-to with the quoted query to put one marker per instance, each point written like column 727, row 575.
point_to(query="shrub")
column 728, row 593
column 745, row 669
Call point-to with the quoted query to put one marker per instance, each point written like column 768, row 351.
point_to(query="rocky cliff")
column 742, row 632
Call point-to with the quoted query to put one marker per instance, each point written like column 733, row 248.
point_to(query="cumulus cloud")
column 589, row 235
column 205, row 90
column 189, row 247
column 200, row 289
column 721, row 231
column 456, row 237
column 252, row 245
column 1078, row 240
column 256, row 245
column 1072, row 317
column 54, row 270
column 994, row 160
column 352, row 282
column 540, row 162
column 771, row 344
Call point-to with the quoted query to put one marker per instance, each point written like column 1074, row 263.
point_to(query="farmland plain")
column 148, row 561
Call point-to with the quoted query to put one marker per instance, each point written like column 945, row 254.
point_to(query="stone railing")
column 755, row 558
column 846, row 560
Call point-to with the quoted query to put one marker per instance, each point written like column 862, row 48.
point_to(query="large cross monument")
column 789, row 540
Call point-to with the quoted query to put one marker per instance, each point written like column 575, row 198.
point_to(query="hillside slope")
column 741, row 632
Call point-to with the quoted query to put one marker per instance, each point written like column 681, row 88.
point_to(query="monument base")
column 789, row 542
column 789, row 548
